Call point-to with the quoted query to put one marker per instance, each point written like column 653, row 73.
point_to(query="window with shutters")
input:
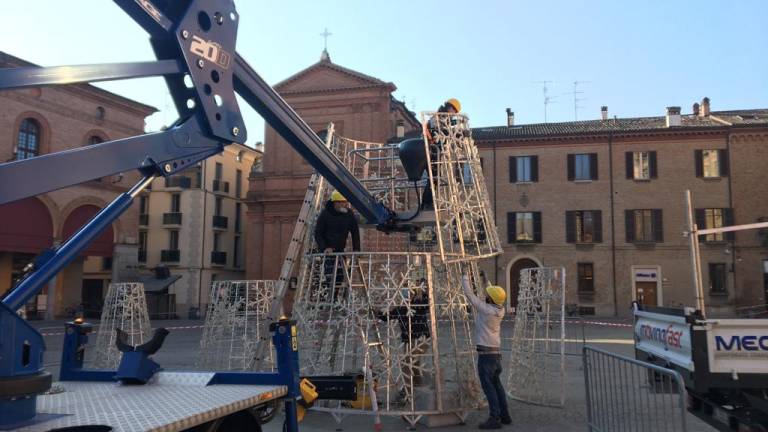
column 582, row 167
column 523, row 169
column 524, row 227
column 715, row 218
column 583, row 226
column 717, row 278
column 711, row 163
column 586, row 274
column 641, row 165
column 644, row 226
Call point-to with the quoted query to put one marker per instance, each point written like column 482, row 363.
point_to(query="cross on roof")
column 325, row 35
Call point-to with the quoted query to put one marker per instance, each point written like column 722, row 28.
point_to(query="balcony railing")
column 144, row 219
column 218, row 257
column 170, row 255
column 173, row 218
column 220, row 222
column 142, row 256
column 178, row 182
column 220, row 186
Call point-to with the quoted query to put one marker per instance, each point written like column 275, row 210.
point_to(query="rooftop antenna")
column 547, row 99
column 576, row 99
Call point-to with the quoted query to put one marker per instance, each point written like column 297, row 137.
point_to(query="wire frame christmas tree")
column 395, row 314
column 125, row 308
column 233, row 323
column 536, row 368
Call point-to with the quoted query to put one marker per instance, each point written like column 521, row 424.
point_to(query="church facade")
column 361, row 107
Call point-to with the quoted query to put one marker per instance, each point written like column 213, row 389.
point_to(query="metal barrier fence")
column 624, row 394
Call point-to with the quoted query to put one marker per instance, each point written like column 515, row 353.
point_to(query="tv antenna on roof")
column 576, row 99
column 547, row 99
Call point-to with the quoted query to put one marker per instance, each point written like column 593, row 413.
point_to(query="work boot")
column 491, row 423
column 506, row 420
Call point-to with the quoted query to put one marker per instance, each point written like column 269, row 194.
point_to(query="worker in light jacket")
column 489, row 313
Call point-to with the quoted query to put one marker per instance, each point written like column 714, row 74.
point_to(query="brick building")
column 360, row 106
column 605, row 199
column 38, row 121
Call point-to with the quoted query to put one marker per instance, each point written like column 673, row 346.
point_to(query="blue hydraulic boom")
column 194, row 42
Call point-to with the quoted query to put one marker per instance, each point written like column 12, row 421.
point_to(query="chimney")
column 705, row 107
column 696, row 109
column 604, row 112
column 400, row 129
column 673, row 116
column 510, row 118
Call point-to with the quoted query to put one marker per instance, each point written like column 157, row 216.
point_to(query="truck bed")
column 171, row 401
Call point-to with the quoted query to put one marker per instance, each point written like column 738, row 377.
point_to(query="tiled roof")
column 717, row 119
column 366, row 80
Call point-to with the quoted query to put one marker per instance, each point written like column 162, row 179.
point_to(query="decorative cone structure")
column 395, row 314
column 233, row 323
column 125, row 308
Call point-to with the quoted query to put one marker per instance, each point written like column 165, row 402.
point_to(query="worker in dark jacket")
column 451, row 106
column 334, row 225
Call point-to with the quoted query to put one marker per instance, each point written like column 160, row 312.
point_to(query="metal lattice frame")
column 345, row 307
column 536, row 372
column 125, row 308
column 233, row 322
column 463, row 212
column 343, row 300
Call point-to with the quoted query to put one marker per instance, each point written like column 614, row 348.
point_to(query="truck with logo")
column 723, row 362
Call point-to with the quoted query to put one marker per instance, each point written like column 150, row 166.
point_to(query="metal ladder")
column 300, row 237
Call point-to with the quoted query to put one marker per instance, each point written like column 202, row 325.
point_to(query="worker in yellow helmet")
column 488, row 316
column 451, row 106
column 332, row 229
column 335, row 224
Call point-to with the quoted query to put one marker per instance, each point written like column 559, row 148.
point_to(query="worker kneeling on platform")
column 488, row 317
column 334, row 226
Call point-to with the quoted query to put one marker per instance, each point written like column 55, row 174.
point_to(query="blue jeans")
column 489, row 370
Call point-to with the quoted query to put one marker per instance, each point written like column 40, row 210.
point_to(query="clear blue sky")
column 638, row 57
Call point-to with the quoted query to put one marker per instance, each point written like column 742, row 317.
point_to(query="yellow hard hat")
column 496, row 293
column 337, row 196
column 455, row 103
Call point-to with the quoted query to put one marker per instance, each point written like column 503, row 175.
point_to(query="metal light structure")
column 233, row 323
column 395, row 314
column 536, row 364
column 125, row 308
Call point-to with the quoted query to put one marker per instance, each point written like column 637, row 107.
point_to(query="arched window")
column 94, row 139
column 29, row 139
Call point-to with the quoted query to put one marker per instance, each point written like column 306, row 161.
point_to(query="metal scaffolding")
column 536, row 368
column 395, row 314
column 233, row 323
column 125, row 308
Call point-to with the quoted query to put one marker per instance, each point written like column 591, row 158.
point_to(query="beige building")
column 604, row 199
column 194, row 223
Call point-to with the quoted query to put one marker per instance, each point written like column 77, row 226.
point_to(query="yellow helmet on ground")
column 496, row 293
column 337, row 196
column 455, row 103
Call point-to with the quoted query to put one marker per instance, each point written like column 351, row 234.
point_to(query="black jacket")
column 333, row 227
column 419, row 318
